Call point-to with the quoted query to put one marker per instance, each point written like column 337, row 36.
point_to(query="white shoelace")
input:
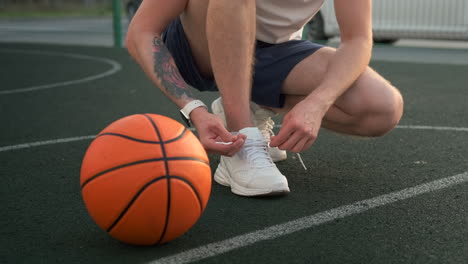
column 301, row 161
column 265, row 124
column 255, row 150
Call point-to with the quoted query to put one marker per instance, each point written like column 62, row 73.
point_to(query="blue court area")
column 401, row 198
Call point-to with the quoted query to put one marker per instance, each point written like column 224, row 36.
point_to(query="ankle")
column 237, row 115
column 239, row 121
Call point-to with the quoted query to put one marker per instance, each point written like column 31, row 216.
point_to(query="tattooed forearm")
column 167, row 72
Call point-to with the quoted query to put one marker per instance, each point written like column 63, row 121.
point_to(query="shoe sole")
column 223, row 177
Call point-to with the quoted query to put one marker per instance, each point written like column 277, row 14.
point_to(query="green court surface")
column 401, row 198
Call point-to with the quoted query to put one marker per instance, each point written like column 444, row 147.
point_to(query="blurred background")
column 41, row 8
column 431, row 23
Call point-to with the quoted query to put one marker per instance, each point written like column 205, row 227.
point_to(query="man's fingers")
column 224, row 134
column 291, row 142
column 224, row 149
column 217, row 148
column 308, row 144
column 283, row 135
column 300, row 145
column 293, row 138
column 236, row 146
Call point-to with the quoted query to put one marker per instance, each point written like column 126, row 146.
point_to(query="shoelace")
column 266, row 125
column 267, row 129
column 256, row 151
column 301, row 161
column 256, row 146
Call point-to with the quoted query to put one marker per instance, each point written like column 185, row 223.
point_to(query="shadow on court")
column 52, row 96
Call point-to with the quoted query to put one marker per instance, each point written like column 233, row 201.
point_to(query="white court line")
column 115, row 67
column 443, row 128
column 56, row 29
column 44, row 143
column 272, row 232
column 66, row 140
column 463, row 129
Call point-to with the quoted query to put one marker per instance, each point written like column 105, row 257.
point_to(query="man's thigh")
column 273, row 64
column 369, row 91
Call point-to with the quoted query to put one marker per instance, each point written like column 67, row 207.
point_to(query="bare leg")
column 229, row 38
column 370, row 107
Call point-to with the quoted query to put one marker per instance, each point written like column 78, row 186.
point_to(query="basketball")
column 145, row 179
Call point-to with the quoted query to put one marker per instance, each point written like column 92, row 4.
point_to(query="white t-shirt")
column 282, row 20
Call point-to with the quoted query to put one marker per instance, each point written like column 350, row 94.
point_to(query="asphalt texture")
column 45, row 221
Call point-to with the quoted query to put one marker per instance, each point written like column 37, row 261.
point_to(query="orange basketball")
column 145, row 179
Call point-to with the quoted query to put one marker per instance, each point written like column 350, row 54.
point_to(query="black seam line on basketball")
column 193, row 188
column 142, row 189
column 166, row 164
column 144, row 141
column 136, row 163
column 135, row 197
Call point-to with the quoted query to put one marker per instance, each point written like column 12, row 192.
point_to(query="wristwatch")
column 188, row 108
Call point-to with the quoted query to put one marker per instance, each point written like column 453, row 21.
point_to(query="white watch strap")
column 188, row 108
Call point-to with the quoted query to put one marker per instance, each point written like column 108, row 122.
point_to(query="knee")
column 391, row 114
column 384, row 117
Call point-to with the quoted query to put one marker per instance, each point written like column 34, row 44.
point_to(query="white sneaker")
column 251, row 172
column 262, row 119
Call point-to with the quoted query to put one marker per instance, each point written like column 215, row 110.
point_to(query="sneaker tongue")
column 252, row 133
column 255, row 148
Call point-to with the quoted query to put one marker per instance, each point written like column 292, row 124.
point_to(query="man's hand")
column 211, row 132
column 300, row 127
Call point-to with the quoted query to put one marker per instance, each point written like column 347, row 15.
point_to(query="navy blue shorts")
column 273, row 63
